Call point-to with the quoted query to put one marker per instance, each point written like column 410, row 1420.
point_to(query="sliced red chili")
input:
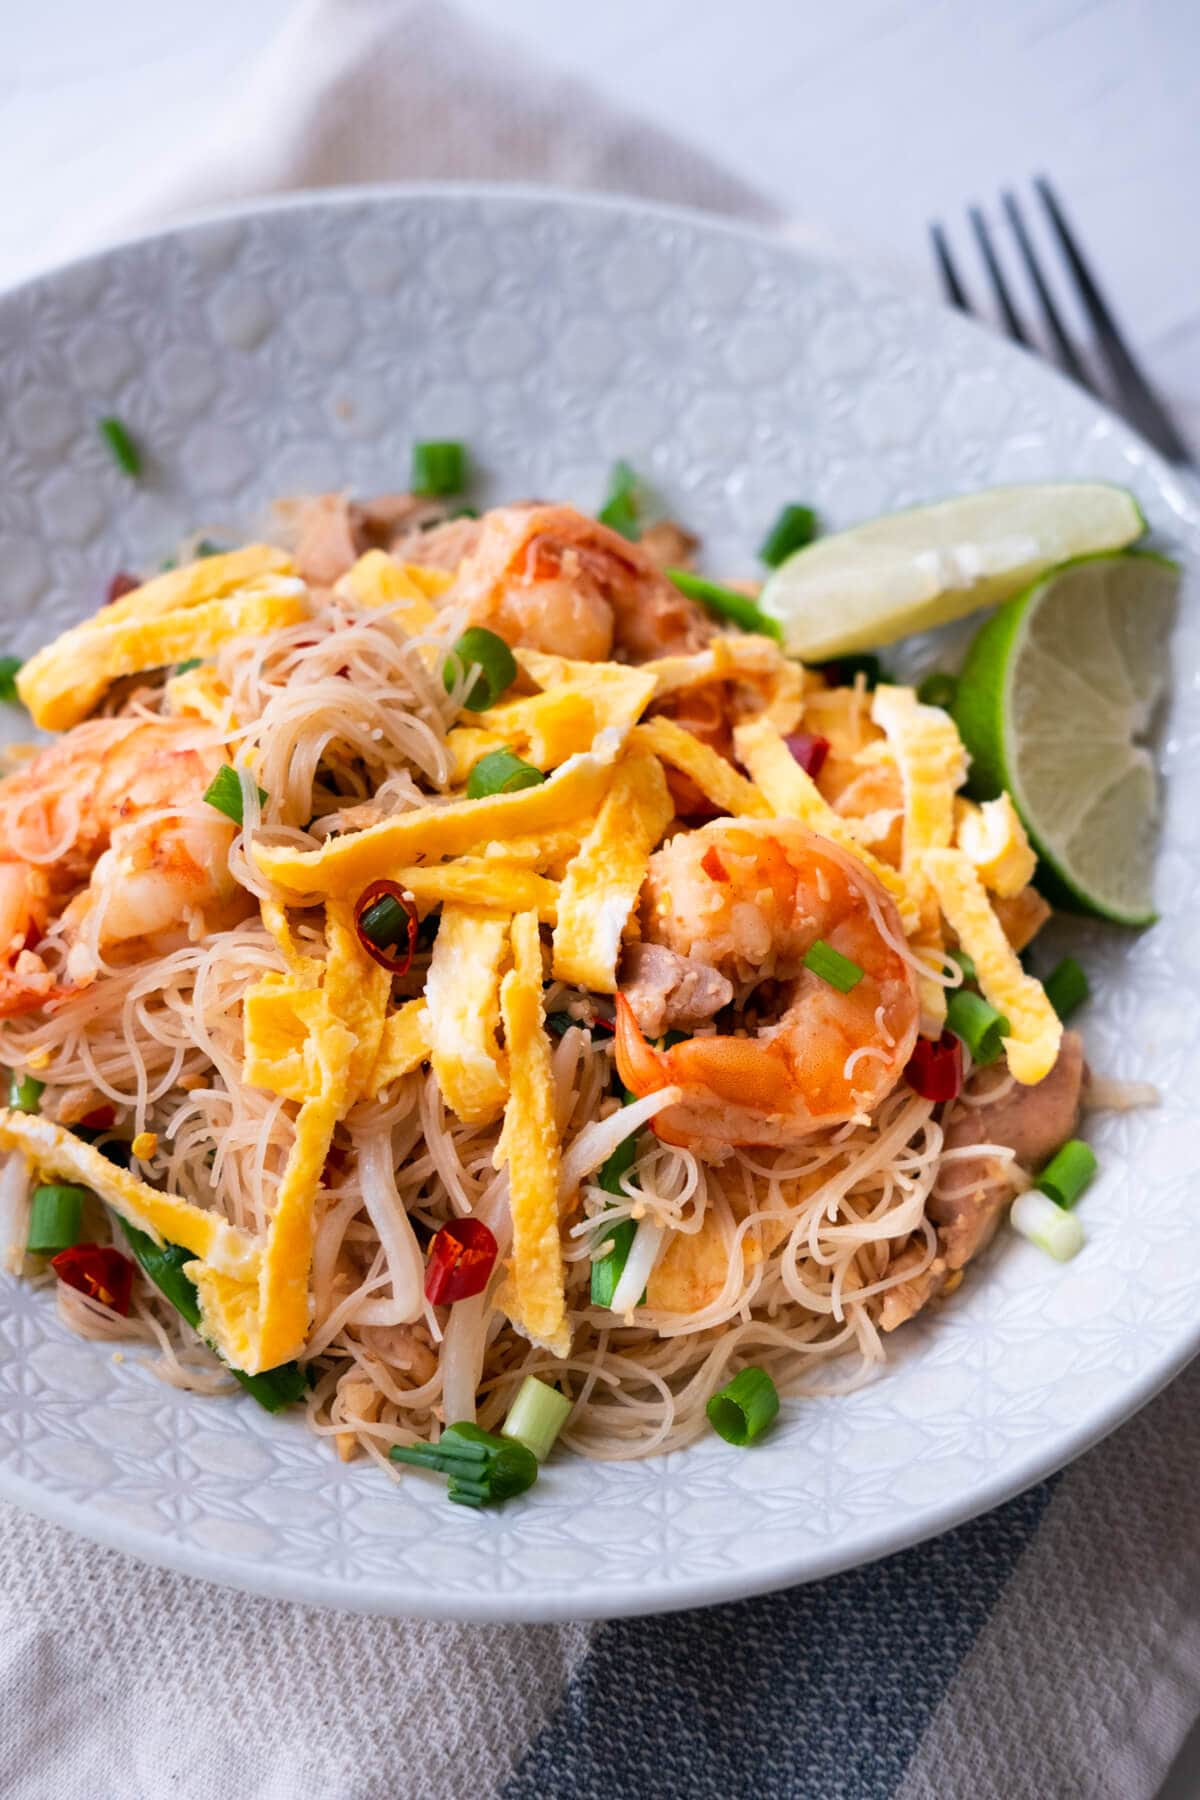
column 121, row 584
column 935, row 1071
column 98, row 1271
column 385, row 918
column 809, row 751
column 101, row 1118
column 461, row 1259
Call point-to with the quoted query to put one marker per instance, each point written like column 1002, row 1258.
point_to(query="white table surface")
column 869, row 116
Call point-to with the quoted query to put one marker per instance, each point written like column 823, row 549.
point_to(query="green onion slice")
column 1056, row 1232
column 501, row 772
column 794, row 527
column 744, row 1407
column 536, row 1416
column 224, row 792
column 966, row 963
column 163, row 1263
column 823, row 960
column 125, row 452
column 439, row 468
column 620, row 510
column 726, row 603
column 938, row 689
column 209, row 547
column 10, row 668
column 608, row 1269
column 1069, row 1171
column 483, row 1468
column 24, row 1092
column 480, row 648
column 55, row 1219
column 1067, row 987
column 185, row 668
column 981, row 1028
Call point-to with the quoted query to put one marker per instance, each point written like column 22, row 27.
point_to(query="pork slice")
column 905, row 1300
column 669, row 992
column 1030, row 1121
column 325, row 541
column 441, row 546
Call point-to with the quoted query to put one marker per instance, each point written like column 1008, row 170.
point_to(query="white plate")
column 305, row 345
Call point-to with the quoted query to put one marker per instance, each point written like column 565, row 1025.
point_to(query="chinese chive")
column 744, row 1407
column 726, row 603
column 793, row 528
column 823, row 960
column 224, row 792
column 479, row 648
column 981, row 1028
column 620, row 509
column 125, row 452
column 1068, row 1172
column 501, row 772
column 55, row 1219
column 536, row 1416
column 438, row 468
column 1066, row 987
column 24, row 1092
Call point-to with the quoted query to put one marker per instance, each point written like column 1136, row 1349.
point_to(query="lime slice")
column 910, row 571
column 1057, row 693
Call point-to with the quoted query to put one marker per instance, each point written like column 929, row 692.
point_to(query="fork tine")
column 1012, row 320
column 955, row 292
column 1141, row 403
column 1068, row 356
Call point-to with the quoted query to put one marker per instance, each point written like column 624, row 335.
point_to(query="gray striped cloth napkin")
column 1047, row 1651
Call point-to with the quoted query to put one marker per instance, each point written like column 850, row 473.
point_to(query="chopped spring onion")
column 620, row 510
column 10, row 668
column 1066, row 987
column 385, row 918
column 966, row 963
column 125, row 452
column 56, row 1219
column 823, row 960
column 24, row 1092
column 224, row 792
column 209, row 547
column 480, row 648
column 938, row 689
column 501, row 772
column 438, row 468
column 536, row 1416
column 1037, row 1218
column 608, row 1269
column 981, row 1028
column 795, row 527
column 640, row 1258
column 185, row 668
column 744, row 1407
column 483, row 1468
column 846, row 670
column 163, row 1263
column 726, row 603
column 559, row 1023
column 1068, row 1172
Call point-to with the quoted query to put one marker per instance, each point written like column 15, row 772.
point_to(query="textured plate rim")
column 794, row 1568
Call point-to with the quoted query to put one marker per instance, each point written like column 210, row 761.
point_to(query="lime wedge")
column 1057, row 693
column 910, row 571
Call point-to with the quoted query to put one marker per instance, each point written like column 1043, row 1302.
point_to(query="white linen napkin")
column 1080, row 1670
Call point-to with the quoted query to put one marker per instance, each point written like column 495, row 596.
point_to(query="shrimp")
column 105, row 832
column 549, row 578
column 750, row 899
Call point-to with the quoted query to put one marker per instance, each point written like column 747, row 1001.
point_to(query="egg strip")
column 1036, row 1028
column 345, row 865
column 481, row 881
column 462, row 993
column 995, row 840
column 57, row 1154
column 717, row 779
column 534, row 1295
column 601, row 886
column 405, row 1046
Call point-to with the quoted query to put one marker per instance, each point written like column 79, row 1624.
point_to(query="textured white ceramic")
column 305, row 345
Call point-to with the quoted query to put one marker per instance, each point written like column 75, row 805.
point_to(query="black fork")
column 1132, row 392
